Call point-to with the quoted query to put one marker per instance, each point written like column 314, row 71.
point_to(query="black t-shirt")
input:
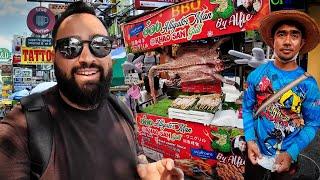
column 92, row 144
column 88, row 145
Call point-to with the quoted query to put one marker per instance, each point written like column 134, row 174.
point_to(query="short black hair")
column 290, row 23
column 77, row 7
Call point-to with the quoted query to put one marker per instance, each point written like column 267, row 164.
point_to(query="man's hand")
column 283, row 162
column 253, row 152
column 163, row 169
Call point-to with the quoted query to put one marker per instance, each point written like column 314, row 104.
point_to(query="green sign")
column 276, row 2
column 5, row 54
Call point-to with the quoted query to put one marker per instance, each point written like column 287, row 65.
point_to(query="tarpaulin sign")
column 202, row 151
column 192, row 20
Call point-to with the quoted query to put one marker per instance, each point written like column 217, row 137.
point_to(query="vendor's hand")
column 163, row 169
column 253, row 152
column 283, row 162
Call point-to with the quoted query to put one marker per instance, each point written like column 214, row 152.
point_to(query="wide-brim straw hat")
column 312, row 32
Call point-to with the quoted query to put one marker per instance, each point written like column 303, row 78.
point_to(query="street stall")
column 201, row 125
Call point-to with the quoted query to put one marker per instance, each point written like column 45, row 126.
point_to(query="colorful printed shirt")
column 288, row 124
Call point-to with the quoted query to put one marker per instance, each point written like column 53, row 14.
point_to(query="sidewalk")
column 309, row 161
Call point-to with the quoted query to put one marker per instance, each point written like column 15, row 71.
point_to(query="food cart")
column 205, row 140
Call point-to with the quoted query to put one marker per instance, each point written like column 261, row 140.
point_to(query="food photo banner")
column 192, row 20
column 201, row 151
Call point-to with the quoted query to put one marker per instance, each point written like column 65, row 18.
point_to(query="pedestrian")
column 91, row 139
column 287, row 125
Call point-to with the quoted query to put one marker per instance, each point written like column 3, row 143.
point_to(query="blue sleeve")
column 310, row 114
column 249, row 100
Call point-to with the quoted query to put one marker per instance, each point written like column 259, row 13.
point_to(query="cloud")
column 13, row 7
column 6, row 42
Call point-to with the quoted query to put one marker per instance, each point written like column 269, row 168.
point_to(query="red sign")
column 40, row 20
column 195, row 147
column 193, row 20
column 16, row 59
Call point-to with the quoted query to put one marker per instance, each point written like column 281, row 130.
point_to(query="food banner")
column 200, row 151
column 36, row 55
column 192, row 20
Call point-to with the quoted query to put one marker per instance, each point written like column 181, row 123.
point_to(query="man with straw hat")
column 279, row 131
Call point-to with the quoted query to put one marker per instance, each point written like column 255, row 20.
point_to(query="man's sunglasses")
column 71, row 47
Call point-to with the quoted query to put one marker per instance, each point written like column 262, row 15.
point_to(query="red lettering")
column 36, row 53
column 30, row 55
column 48, row 54
column 42, row 54
column 25, row 54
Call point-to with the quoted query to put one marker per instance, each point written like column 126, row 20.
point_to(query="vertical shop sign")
column 18, row 41
column 192, row 20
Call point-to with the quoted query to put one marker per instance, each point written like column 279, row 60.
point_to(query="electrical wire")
column 307, row 157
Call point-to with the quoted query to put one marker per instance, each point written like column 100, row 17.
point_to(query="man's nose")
column 86, row 56
column 287, row 39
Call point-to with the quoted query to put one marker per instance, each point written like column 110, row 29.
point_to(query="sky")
column 13, row 17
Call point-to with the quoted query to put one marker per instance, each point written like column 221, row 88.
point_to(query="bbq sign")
column 40, row 20
column 192, row 20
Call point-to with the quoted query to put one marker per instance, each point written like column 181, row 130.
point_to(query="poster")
column 192, row 20
column 200, row 151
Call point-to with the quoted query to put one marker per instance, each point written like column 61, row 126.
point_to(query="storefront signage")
column 194, row 146
column 6, row 69
column 57, row 8
column 18, row 41
column 148, row 4
column 40, row 20
column 36, row 55
column 287, row 4
column 5, row 55
column 22, row 72
column 191, row 21
column 16, row 59
column 24, row 80
column 38, row 42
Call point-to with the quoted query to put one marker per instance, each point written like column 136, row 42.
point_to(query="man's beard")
column 91, row 94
